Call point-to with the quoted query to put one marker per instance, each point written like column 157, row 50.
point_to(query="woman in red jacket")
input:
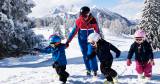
column 85, row 25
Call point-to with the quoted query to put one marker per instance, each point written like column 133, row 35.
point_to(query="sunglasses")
column 138, row 39
column 53, row 42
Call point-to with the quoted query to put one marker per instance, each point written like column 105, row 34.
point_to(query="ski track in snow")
column 37, row 69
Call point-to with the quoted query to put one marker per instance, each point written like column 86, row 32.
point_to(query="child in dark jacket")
column 58, row 55
column 102, row 48
column 143, row 55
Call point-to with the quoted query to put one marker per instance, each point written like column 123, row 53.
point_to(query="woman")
column 85, row 25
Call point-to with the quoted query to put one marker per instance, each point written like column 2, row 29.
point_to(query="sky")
column 131, row 9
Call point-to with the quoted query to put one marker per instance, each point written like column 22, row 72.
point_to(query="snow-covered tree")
column 151, row 22
column 56, row 26
column 100, row 21
column 117, row 27
column 16, row 35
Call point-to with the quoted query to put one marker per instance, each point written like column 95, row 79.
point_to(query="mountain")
column 96, row 12
column 105, row 13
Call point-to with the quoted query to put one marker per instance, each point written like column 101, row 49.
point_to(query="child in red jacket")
column 143, row 55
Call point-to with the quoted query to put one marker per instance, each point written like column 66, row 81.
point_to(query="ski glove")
column 151, row 61
column 55, row 64
column 36, row 49
column 129, row 62
column 91, row 56
column 67, row 44
column 117, row 55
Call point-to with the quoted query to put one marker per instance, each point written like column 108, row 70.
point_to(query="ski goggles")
column 85, row 15
column 93, row 43
column 54, row 44
column 88, row 13
column 139, row 39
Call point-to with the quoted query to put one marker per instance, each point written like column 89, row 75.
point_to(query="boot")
column 108, row 82
column 95, row 73
column 147, row 78
column 115, row 80
column 140, row 76
column 88, row 73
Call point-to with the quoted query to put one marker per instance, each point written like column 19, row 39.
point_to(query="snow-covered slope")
column 36, row 69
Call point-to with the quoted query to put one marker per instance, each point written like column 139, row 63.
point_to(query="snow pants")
column 145, row 68
column 90, row 64
column 106, row 69
column 63, row 75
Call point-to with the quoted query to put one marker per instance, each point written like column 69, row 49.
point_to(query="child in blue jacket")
column 58, row 55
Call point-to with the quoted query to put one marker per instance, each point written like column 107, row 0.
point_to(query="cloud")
column 124, row 1
column 136, row 16
column 44, row 7
column 129, row 8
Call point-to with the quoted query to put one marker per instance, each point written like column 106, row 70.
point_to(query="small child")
column 58, row 54
column 143, row 55
column 102, row 48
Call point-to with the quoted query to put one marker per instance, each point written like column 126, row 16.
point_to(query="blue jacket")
column 58, row 53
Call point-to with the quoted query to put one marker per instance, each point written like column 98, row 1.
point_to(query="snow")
column 31, row 2
column 3, row 17
column 36, row 69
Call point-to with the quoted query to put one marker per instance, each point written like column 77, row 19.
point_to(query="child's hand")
column 36, row 49
column 35, row 52
column 67, row 45
column 55, row 64
column 151, row 61
column 117, row 55
column 129, row 62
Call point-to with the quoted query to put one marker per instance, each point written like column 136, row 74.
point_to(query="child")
column 143, row 55
column 58, row 54
column 102, row 49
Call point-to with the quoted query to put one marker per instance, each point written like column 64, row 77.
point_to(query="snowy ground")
column 37, row 69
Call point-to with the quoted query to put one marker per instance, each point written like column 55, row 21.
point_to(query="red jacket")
column 84, row 25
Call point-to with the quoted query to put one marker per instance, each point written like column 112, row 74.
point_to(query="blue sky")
column 131, row 9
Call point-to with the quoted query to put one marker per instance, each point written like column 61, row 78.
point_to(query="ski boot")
column 115, row 80
column 95, row 73
column 141, row 76
column 108, row 82
column 88, row 73
column 147, row 79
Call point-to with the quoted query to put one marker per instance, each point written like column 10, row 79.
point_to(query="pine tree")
column 16, row 36
column 56, row 25
column 151, row 22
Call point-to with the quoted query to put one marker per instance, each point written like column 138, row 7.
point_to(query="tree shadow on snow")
column 45, row 63
column 76, row 60
column 83, row 78
column 81, row 82
column 127, row 76
column 156, row 77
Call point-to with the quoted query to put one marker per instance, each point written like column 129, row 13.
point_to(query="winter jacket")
column 143, row 52
column 103, row 51
column 84, row 28
column 58, row 53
